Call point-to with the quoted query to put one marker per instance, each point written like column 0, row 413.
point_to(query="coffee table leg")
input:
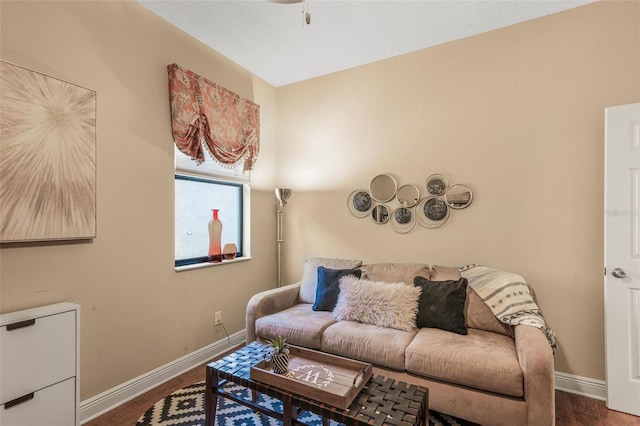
column 254, row 399
column 425, row 410
column 210, row 398
column 287, row 411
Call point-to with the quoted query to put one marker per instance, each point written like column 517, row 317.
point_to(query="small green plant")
column 279, row 354
column 279, row 345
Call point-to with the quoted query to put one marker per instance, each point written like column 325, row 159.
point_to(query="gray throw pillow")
column 442, row 304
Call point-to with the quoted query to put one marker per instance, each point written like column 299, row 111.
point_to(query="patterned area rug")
column 185, row 407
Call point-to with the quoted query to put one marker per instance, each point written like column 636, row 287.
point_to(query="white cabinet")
column 39, row 360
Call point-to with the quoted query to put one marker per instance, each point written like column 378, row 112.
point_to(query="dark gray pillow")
column 329, row 287
column 442, row 304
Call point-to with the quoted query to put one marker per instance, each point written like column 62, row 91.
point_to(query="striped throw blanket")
column 509, row 298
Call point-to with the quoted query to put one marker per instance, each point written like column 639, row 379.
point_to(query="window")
column 196, row 195
column 221, row 130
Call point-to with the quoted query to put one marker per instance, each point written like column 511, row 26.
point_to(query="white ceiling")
column 272, row 41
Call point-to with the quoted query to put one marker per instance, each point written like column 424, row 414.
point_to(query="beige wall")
column 518, row 114
column 137, row 312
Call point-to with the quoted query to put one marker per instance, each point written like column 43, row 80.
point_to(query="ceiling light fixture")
column 306, row 15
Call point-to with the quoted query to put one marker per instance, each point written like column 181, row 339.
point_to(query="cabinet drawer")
column 51, row 406
column 34, row 356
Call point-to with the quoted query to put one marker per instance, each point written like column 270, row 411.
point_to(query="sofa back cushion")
column 395, row 272
column 477, row 313
column 309, row 283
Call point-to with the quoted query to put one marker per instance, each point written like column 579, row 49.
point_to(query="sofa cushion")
column 445, row 273
column 367, row 342
column 310, row 274
column 395, row 272
column 300, row 324
column 481, row 360
column 477, row 313
column 479, row 316
column 392, row 305
column 442, row 304
column 329, row 287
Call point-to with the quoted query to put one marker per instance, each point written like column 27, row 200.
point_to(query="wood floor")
column 571, row 410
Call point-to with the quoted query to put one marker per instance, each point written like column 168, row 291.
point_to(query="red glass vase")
column 215, row 232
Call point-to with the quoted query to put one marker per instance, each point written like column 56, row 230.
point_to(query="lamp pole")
column 282, row 194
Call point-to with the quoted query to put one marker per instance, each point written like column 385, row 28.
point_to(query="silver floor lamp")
column 282, row 194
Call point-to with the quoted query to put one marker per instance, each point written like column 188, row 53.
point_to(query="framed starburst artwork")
column 47, row 157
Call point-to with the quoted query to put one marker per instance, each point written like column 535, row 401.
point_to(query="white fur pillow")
column 392, row 305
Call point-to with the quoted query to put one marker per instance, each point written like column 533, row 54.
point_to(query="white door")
column 622, row 257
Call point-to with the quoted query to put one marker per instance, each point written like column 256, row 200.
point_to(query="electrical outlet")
column 218, row 318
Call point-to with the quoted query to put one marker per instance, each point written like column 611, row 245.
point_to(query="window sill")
column 210, row 264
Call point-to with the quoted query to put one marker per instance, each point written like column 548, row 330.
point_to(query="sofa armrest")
column 536, row 360
column 269, row 302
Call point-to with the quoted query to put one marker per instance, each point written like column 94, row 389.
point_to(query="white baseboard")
column 114, row 397
column 585, row 386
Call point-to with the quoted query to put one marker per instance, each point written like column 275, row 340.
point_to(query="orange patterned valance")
column 204, row 112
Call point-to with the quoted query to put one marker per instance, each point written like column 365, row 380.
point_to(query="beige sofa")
column 494, row 375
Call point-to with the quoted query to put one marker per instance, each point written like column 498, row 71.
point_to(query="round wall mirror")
column 435, row 209
column 383, row 188
column 408, row 195
column 359, row 203
column 380, row 214
column 458, row 196
column 436, row 184
column 432, row 212
column 403, row 220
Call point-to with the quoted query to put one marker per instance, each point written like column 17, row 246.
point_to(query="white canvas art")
column 47, row 157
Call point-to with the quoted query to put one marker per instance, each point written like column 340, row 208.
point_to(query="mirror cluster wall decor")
column 404, row 207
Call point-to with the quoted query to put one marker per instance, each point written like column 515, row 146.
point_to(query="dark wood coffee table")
column 383, row 401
